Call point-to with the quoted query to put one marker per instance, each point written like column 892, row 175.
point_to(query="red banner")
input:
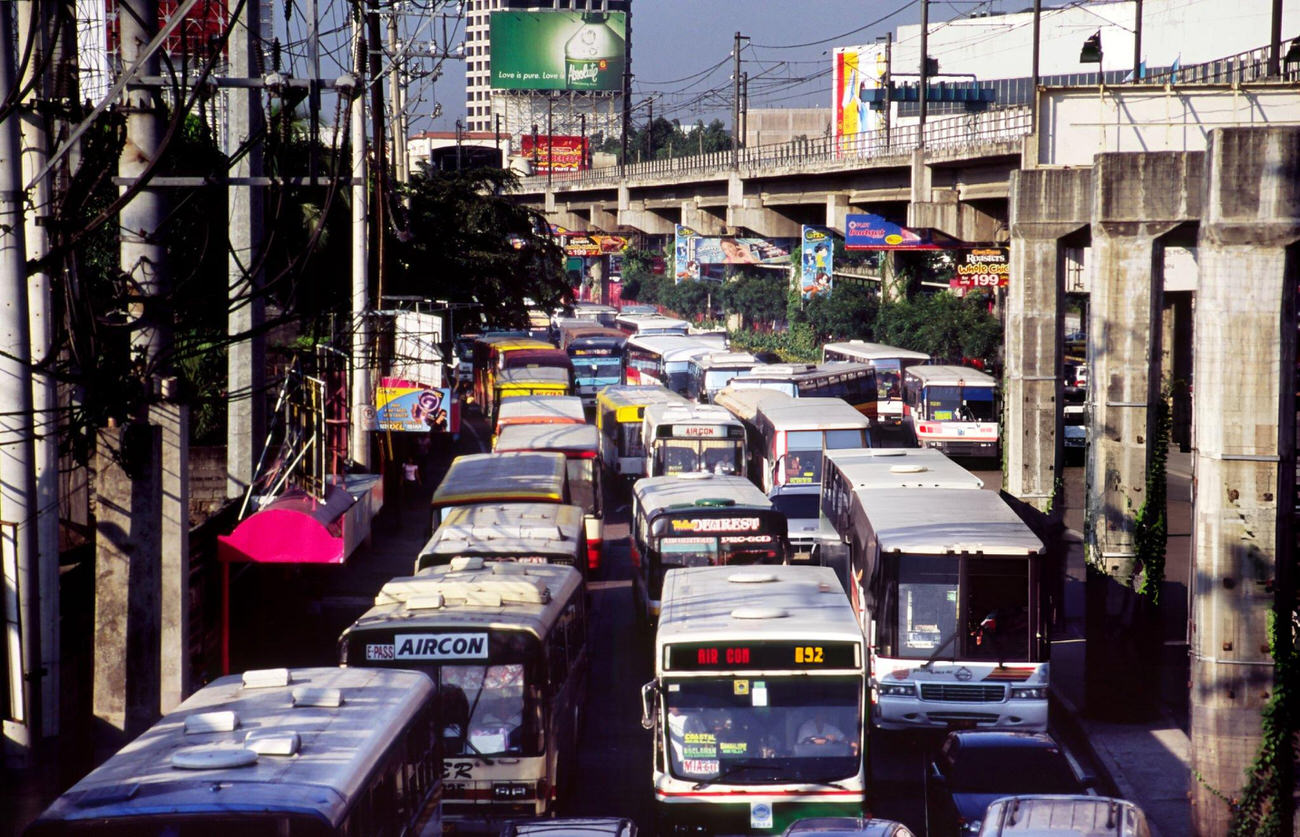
column 555, row 153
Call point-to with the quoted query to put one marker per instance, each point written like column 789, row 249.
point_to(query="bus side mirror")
column 649, row 701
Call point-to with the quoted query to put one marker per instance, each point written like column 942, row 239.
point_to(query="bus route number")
column 807, row 654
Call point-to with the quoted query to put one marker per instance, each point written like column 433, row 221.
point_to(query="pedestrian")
column 410, row 480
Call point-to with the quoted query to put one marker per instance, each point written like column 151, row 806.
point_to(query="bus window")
column 927, row 606
column 840, row 439
column 494, row 718
column 689, row 552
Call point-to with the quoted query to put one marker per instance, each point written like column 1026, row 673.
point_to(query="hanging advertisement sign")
column 555, row 153
column 409, row 409
column 817, row 262
column 594, row 244
column 557, row 50
column 685, row 265
column 983, row 267
column 855, row 71
column 871, row 232
column 693, row 251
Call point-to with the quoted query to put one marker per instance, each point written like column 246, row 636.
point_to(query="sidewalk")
column 1146, row 763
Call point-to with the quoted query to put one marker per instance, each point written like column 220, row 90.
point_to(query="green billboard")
column 558, row 50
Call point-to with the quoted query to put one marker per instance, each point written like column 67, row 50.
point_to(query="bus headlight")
column 1028, row 692
column 896, row 690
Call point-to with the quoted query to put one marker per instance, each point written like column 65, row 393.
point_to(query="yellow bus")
column 477, row 478
column 619, row 412
column 525, row 533
column 550, row 381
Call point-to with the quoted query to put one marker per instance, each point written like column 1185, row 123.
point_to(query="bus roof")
column 688, row 413
column 812, row 414
column 513, row 342
column 726, row 360
column 945, row 520
column 649, row 323
column 564, row 438
column 774, row 372
column 619, row 396
column 951, row 376
column 502, row 477
column 701, row 491
column 338, row 746
column 488, row 594
column 703, row 604
column 503, row 529
column 535, row 375
column 744, row 403
column 862, row 350
column 666, row 343
column 542, row 408
column 900, row 468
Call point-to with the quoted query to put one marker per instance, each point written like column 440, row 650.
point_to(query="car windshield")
column 764, row 730
column 1007, row 770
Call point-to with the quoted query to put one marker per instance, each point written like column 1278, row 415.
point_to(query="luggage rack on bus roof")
column 423, row 593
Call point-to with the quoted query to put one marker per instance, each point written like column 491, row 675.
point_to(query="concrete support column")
column 702, row 220
column 128, row 561
column 837, row 211
column 1244, row 445
column 922, row 179
column 1047, row 205
column 1137, row 198
column 173, row 421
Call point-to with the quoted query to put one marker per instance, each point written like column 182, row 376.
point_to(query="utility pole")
column 582, row 123
column 360, row 379
column 744, row 109
column 627, row 117
column 380, row 145
column 500, row 158
column 397, row 93
column 735, row 101
column 313, row 92
column 19, row 564
column 246, row 358
column 889, row 80
column 1137, row 42
column 39, row 37
column 550, row 138
column 1033, row 71
column 925, row 69
column 650, row 129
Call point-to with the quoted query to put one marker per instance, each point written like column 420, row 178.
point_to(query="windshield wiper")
column 819, row 781
column 733, row 768
column 939, row 650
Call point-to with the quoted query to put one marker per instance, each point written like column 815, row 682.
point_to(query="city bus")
column 953, row 408
column 533, row 477
column 580, row 444
column 603, row 315
column 692, row 437
column 854, row 382
column 597, row 357
column 661, row 360
column 619, row 414
column 845, row 471
column 506, row 645
column 634, row 324
column 695, row 520
column 890, row 362
column 758, row 705
column 708, row 373
column 305, row 751
column 527, row 533
column 948, row 584
column 793, row 433
column 539, row 409
column 488, row 353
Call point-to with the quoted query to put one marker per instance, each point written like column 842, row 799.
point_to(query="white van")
column 1044, row 816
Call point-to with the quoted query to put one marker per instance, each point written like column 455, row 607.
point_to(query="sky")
column 681, row 51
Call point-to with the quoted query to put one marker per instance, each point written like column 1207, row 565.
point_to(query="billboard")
column 817, row 263
column 202, row 26
column 558, row 50
column 693, row 251
column 855, row 71
column 555, row 153
column 413, row 409
column 982, row 267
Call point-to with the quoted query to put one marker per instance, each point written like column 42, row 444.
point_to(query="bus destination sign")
column 715, row 524
column 714, row 656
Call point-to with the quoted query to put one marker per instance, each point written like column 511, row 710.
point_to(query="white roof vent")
column 213, row 758
column 217, row 721
column 465, row 563
column 751, row 578
column 907, row 469
column 273, row 742
column 694, row 475
column 759, row 613
column 266, row 678
column 309, row 696
column 431, row 602
column 888, row 451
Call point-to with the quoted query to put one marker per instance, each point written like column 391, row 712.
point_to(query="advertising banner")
column 855, row 71
column 817, row 263
column 685, row 266
column 412, row 409
column 693, row 251
column 555, row 153
column 984, row 267
column 558, row 50
column 871, row 232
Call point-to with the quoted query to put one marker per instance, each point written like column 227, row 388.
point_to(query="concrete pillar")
column 837, row 210
column 602, row 217
column 1137, row 198
column 922, row 179
column 173, row 421
column 128, row 560
column 1047, row 205
column 702, row 220
column 1244, row 446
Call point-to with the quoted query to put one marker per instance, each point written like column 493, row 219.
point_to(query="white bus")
column 948, row 584
column 709, row 373
column 697, row 520
column 845, row 471
column 272, row 753
column 620, row 412
column 692, row 437
column 661, row 360
column 952, row 408
column 758, row 705
column 634, row 324
column 890, row 362
column 507, row 646
column 794, row 433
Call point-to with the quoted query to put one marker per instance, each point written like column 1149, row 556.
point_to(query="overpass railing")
column 991, row 126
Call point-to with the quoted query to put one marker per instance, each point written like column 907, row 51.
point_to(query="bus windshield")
column 718, row 456
column 601, row 371
column 716, row 379
column 965, row 403
column 889, row 378
column 485, row 711
column 764, row 730
column 925, row 612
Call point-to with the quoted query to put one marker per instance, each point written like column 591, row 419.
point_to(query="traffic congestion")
column 664, row 588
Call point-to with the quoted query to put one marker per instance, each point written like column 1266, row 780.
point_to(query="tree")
column 758, row 298
column 464, row 240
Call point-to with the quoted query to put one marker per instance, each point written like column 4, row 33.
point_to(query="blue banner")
column 817, row 263
column 871, row 232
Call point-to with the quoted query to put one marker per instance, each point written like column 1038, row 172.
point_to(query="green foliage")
column 758, row 297
column 848, row 313
column 1150, row 525
column 466, row 240
column 945, row 326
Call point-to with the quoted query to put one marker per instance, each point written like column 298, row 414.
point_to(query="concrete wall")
column 767, row 126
